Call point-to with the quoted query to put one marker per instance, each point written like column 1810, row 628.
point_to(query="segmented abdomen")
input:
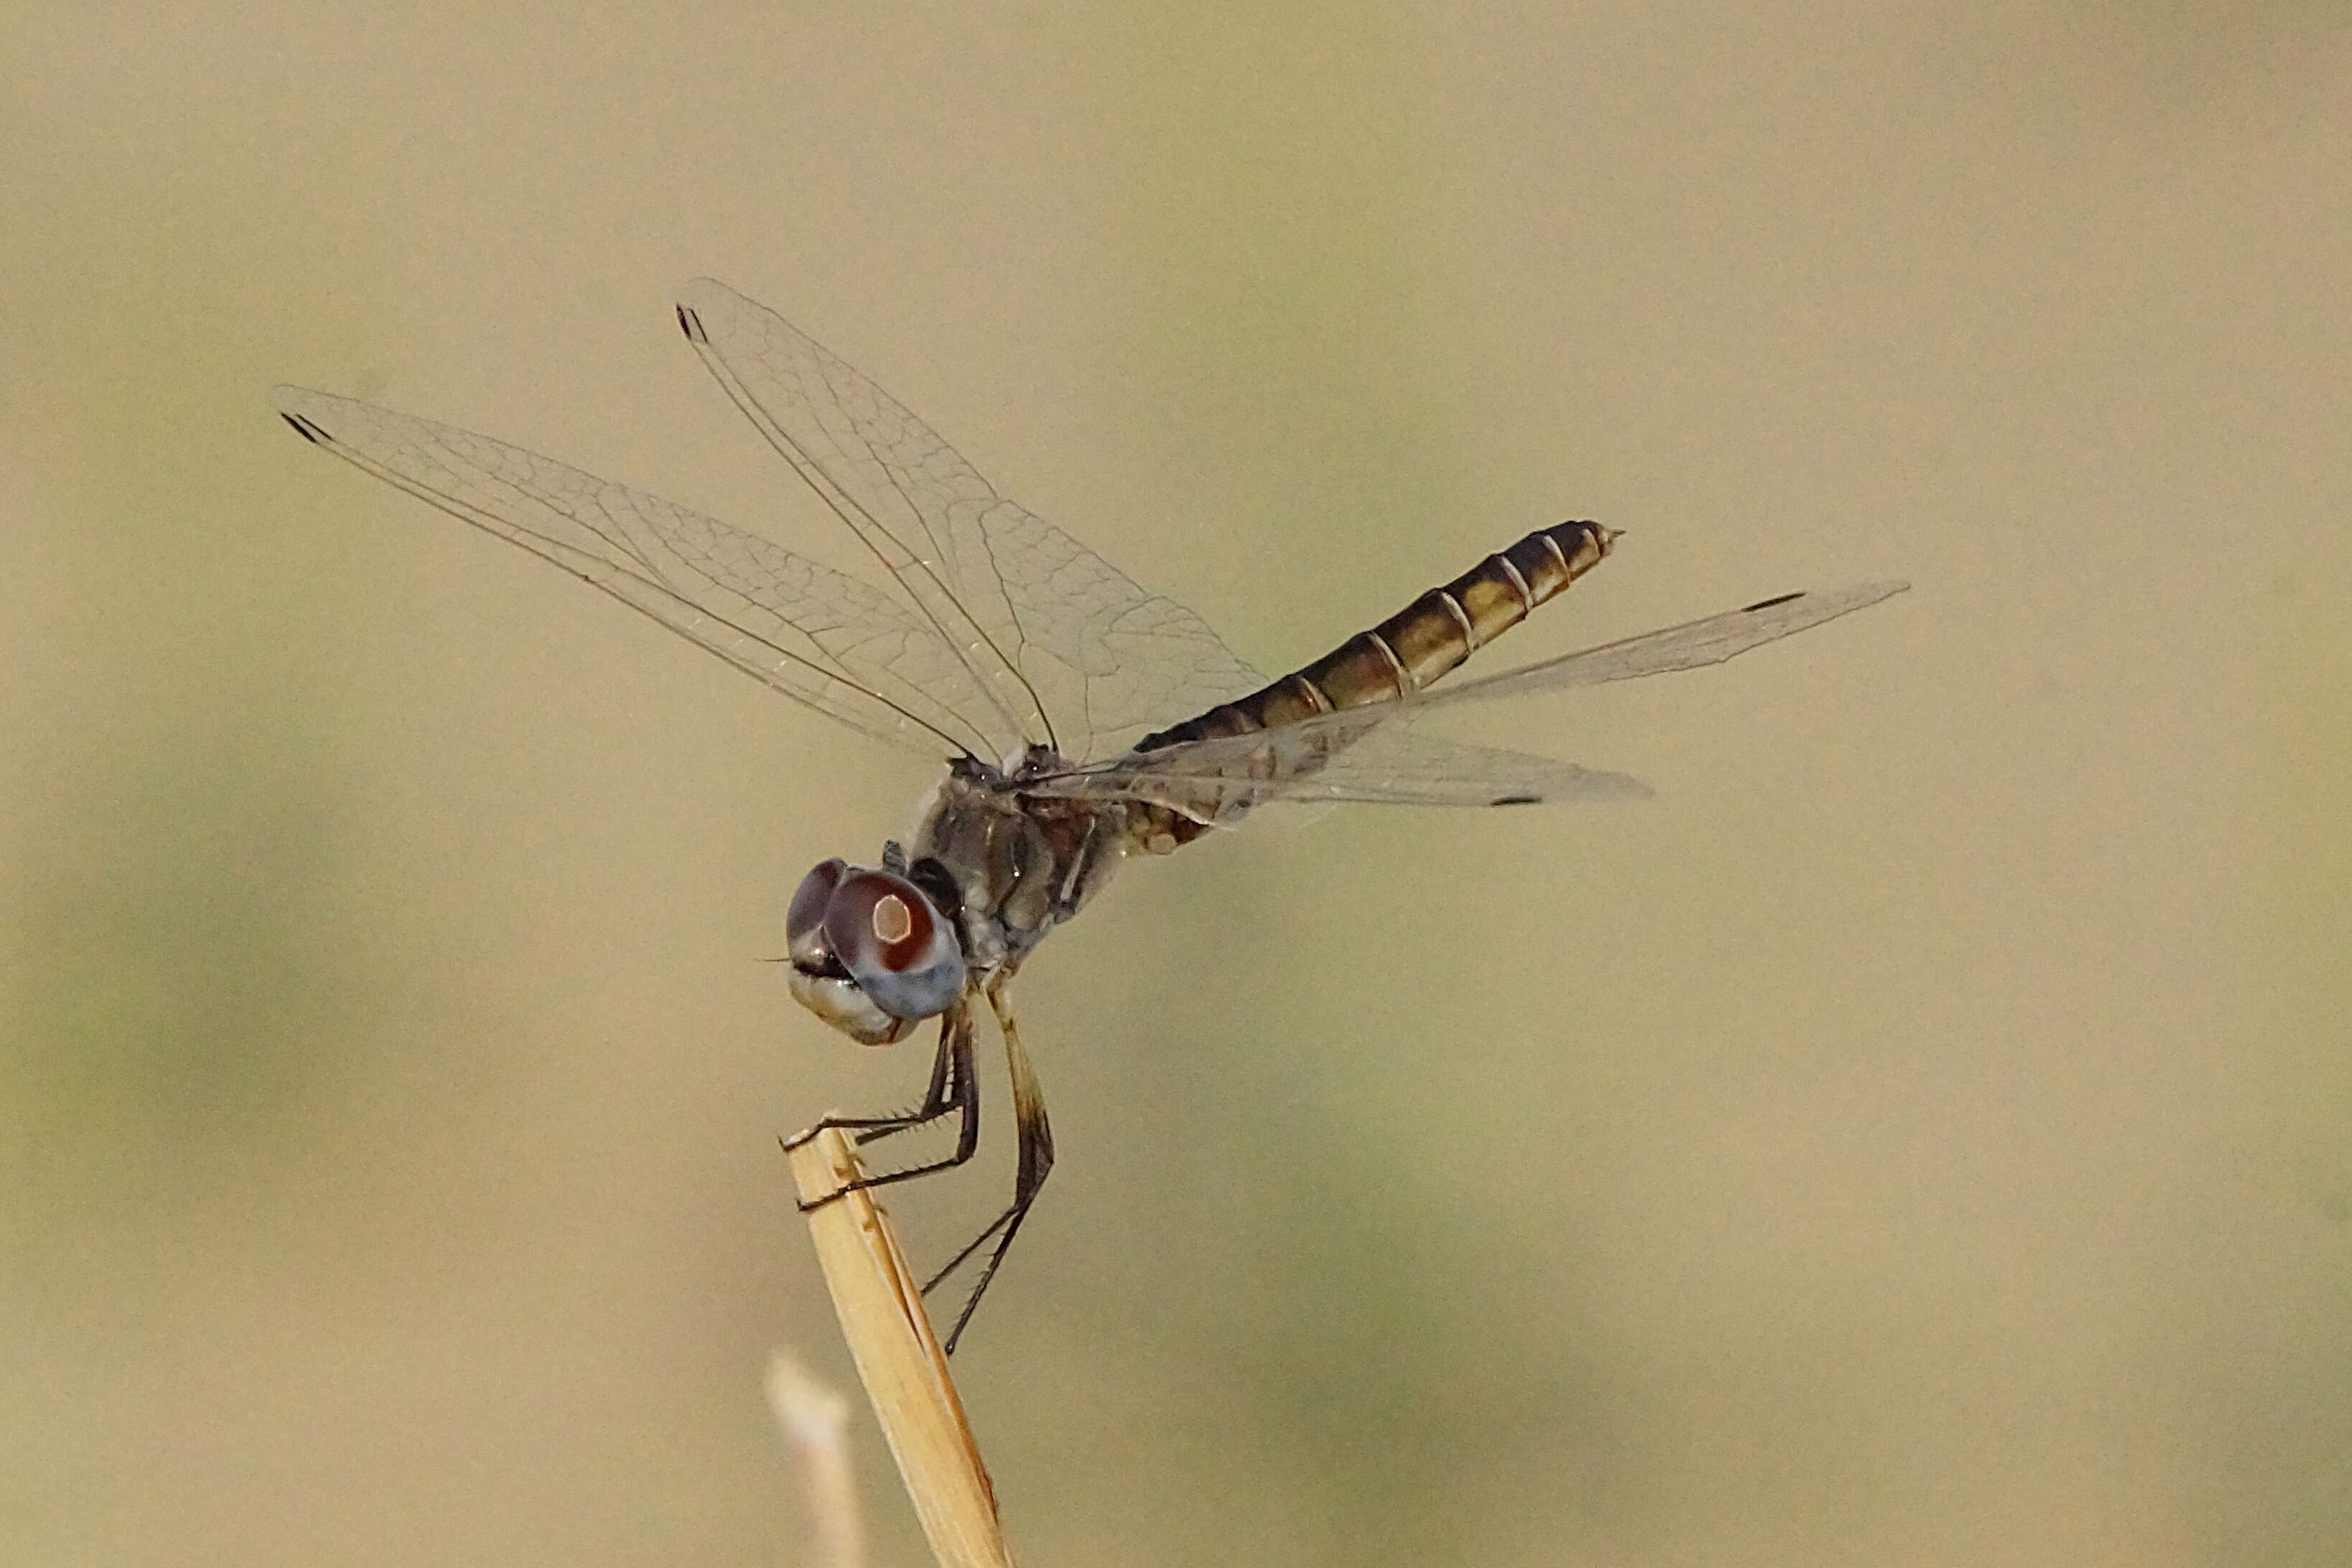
column 1417, row 646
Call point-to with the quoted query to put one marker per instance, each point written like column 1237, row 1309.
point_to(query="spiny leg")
column 938, row 1099
column 955, row 1088
column 1036, row 1158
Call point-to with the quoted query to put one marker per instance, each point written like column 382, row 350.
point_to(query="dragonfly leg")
column 955, row 1088
column 938, row 1099
column 1036, row 1158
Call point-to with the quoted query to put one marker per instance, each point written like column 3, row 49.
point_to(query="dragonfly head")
column 870, row 953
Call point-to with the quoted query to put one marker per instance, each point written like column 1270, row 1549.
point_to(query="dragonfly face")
column 870, row 953
column 1136, row 728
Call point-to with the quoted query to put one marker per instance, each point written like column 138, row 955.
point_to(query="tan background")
column 1919, row 1136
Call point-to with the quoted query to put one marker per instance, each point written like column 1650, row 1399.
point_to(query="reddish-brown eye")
column 882, row 929
column 877, row 918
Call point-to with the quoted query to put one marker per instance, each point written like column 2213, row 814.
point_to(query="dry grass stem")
column 816, row 1421
column 880, row 1305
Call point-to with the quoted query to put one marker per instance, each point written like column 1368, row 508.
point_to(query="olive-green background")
column 1919, row 1136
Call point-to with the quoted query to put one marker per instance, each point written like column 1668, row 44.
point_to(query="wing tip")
column 1581, row 784
column 1855, row 597
column 294, row 405
column 704, row 292
column 301, row 402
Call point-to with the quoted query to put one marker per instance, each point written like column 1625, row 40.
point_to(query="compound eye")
column 895, row 944
column 805, row 922
column 878, row 919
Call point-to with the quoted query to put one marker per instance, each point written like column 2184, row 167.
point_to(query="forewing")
column 1042, row 620
column 826, row 640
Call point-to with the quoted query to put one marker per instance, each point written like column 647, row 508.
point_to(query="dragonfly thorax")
column 986, row 874
column 1020, row 864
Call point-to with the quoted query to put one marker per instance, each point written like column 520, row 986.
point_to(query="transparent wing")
column 837, row 645
column 1374, row 753
column 1370, row 755
column 1690, row 645
column 1046, row 624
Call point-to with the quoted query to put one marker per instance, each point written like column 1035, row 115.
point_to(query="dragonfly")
column 1083, row 720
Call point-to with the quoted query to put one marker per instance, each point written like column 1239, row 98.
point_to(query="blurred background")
column 1919, row 1136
